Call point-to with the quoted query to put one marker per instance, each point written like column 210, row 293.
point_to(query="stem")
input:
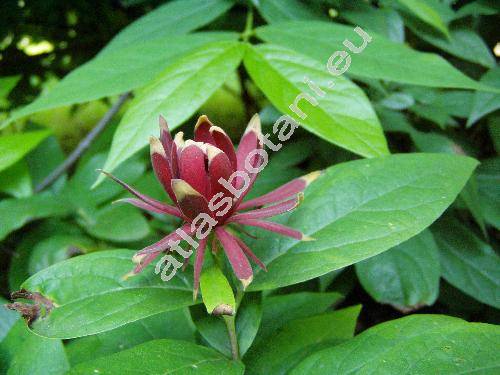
column 83, row 145
column 247, row 33
column 231, row 330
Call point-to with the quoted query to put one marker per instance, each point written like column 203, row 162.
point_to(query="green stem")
column 231, row 330
column 247, row 33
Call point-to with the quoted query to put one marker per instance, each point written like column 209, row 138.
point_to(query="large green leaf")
column 118, row 71
column 417, row 344
column 299, row 338
column 163, row 357
column 426, row 13
column 91, row 295
column 359, row 209
column 217, row 294
column 468, row 263
column 13, row 147
column 24, row 353
column 406, row 276
column 381, row 59
column 488, row 182
column 344, row 116
column 285, row 10
column 175, row 325
column 173, row 18
column 14, row 213
column 177, row 93
column 485, row 102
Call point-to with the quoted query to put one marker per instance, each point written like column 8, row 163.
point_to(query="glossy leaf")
column 16, row 180
column 417, row 344
column 14, row 213
column 343, row 116
column 175, row 17
column 175, row 324
column 321, row 39
column 285, row 10
column 359, row 209
column 299, row 338
column 24, row 353
column 217, row 294
column 426, row 13
column 92, row 296
column 119, row 70
column 406, row 276
column 488, row 182
column 13, row 147
column 485, row 102
column 177, row 93
column 118, row 223
column 468, row 263
column 281, row 309
column 163, row 357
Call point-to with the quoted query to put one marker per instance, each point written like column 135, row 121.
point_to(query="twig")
column 231, row 330
column 83, row 145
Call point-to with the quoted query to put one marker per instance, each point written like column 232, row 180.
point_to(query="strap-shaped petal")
column 269, row 211
column 190, row 202
column 198, row 264
column 223, row 142
column 283, row 192
column 167, row 209
column 192, row 167
column 219, row 166
column 236, row 257
column 250, row 253
column 165, row 137
column 161, row 166
column 202, row 130
column 275, row 227
column 249, row 142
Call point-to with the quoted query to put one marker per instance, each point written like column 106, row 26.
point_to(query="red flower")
column 190, row 172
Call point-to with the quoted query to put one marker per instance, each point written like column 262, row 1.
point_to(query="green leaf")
column 299, row 338
column 25, row 353
column 344, row 116
column 118, row 223
column 177, row 93
column 359, row 209
column 56, row 248
column 485, row 102
column 163, row 357
column 217, row 294
column 417, row 344
column 462, row 43
column 426, row 13
column 13, row 147
column 468, row 263
column 8, row 83
column 14, row 213
column 281, row 309
column 16, row 180
column 120, row 70
column 7, row 319
column 406, row 276
column 173, row 18
column 488, row 181
column 247, row 323
column 175, row 324
column 92, row 296
column 397, row 63
column 383, row 21
column 285, row 10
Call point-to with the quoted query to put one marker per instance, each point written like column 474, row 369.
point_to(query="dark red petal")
column 165, row 137
column 131, row 190
column 161, row 166
column 275, row 227
column 237, row 258
column 249, row 142
column 192, row 167
column 145, row 261
column 223, row 142
column 198, row 264
column 270, row 211
column 250, row 253
column 283, row 192
column 163, row 244
column 202, row 130
column 190, row 202
column 167, row 209
column 219, row 166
